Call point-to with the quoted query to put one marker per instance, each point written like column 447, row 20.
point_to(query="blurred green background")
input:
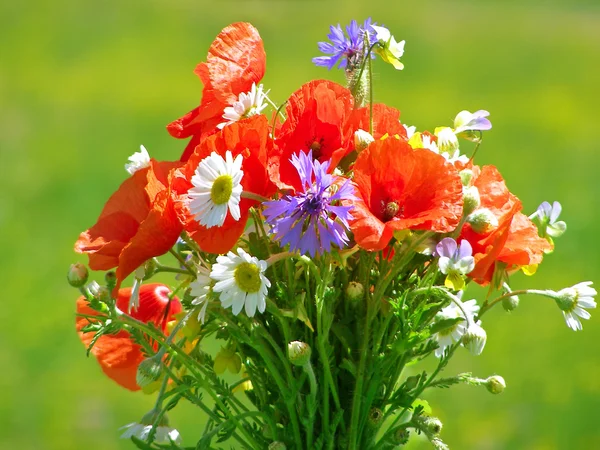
column 83, row 84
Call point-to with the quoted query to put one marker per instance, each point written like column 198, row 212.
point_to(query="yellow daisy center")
column 247, row 277
column 221, row 189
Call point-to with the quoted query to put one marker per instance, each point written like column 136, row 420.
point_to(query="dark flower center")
column 391, row 209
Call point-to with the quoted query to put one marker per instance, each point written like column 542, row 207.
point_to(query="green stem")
column 183, row 262
column 486, row 306
column 312, row 403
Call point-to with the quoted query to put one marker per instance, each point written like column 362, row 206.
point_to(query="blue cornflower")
column 311, row 220
column 346, row 52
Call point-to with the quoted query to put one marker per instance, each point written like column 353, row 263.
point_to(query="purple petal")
column 464, row 250
column 446, row 247
column 555, row 212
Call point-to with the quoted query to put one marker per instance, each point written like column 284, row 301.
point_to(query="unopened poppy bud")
column 495, row 384
column 299, row 353
column 474, row 339
column 471, row 200
column 277, row 445
column 77, row 275
column 510, row 303
column 482, row 220
column 466, row 176
column 375, row 417
column 362, row 139
column 355, row 291
column 149, row 371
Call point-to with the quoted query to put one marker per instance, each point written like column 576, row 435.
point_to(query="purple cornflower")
column 312, row 219
column 346, row 51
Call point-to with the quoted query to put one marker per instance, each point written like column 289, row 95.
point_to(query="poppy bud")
column 149, row 371
column 355, row 291
column 471, row 200
column 474, row 339
column 362, row 139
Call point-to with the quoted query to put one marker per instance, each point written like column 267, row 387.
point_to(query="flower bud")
column 355, row 291
column 111, row 278
column 401, row 436
column 482, row 220
column 431, row 426
column 277, row 445
column 474, row 339
column 495, row 384
column 510, row 303
column 77, row 275
column 362, row 139
column 149, row 371
column 375, row 417
column 466, row 175
column 471, row 200
column 299, row 353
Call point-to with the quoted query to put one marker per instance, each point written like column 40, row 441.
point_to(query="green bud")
column 299, row 353
column 431, row 425
column 355, row 291
column 401, row 436
column 111, row 278
column 148, row 372
column 277, row 445
column 510, row 303
column 474, row 339
column 77, row 275
column 471, row 200
column 495, row 384
column 466, row 176
column 482, row 220
column 375, row 417
column 151, row 416
column 411, row 382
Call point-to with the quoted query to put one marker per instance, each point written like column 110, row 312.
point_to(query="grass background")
column 83, row 84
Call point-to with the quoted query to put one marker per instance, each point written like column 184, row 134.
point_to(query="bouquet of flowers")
column 321, row 246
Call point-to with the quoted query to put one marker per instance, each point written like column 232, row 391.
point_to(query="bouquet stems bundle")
column 323, row 249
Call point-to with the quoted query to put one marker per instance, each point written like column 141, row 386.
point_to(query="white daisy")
column 241, row 282
column 217, row 188
column 410, row 130
column 138, row 160
column 449, row 336
column 248, row 104
column 199, row 289
column 573, row 300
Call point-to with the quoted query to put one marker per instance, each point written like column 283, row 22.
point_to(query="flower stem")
column 487, row 306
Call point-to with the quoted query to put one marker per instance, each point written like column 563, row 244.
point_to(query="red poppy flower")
column 137, row 223
column 235, row 60
column 316, row 120
column 523, row 246
column 401, row 188
column 117, row 354
column 386, row 120
column 250, row 138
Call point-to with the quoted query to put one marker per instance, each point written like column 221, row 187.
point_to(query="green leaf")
column 444, row 324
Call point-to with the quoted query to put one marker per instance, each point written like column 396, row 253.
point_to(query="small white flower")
column 449, row 336
column 241, row 282
column 446, row 139
column 389, row 50
column 248, row 104
column 138, row 160
column 199, row 289
column 217, row 188
column 474, row 339
column 362, row 139
column 429, row 143
column 409, row 130
column 573, row 300
column 138, row 277
column 164, row 434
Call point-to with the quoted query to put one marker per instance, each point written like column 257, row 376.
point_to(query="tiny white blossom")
column 409, row 130
column 573, row 301
column 449, row 336
column 248, row 104
column 241, row 282
column 138, row 160
column 217, row 189
column 199, row 289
